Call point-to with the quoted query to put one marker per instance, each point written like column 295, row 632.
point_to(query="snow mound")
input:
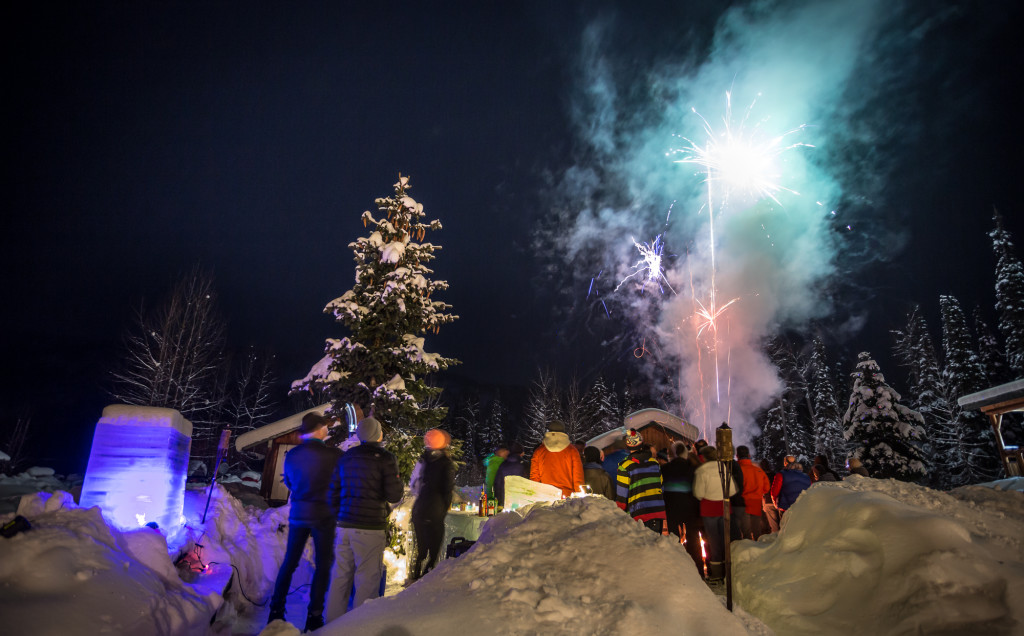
column 889, row 557
column 71, row 573
column 579, row 566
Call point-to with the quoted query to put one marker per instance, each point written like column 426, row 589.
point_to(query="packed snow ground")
column 865, row 555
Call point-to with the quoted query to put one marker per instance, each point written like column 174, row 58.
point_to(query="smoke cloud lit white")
column 789, row 66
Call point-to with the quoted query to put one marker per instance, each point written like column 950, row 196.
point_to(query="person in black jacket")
column 308, row 469
column 365, row 482
column 433, row 499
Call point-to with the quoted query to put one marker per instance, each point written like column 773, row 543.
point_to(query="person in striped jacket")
column 638, row 484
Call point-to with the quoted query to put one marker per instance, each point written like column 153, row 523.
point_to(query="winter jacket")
column 365, row 482
column 737, row 500
column 638, row 487
column 611, row 462
column 434, row 490
column 677, row 487
column 755, row 486
column 860, row 470
column 491, row 463
column 707, row 486
column 557, row 463
column 308, row 469
column 512, row 466
column 787, row 486
column 597, row 479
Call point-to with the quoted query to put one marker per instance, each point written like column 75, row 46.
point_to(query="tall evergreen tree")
column 491, row 432
column 991, row 354
column 770, row 444
column 794, row 370
column 884, row 433
column 464, row 427
column 600, row 414
column 1009, row 295
column 929, row 396
column 381, row 365
column 828, row 421
column 964, row 375
column 542, row 407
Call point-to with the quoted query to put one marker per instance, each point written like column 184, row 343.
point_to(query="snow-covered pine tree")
column 963, row 375
column 542, row 406
column 464, row 426
column 828, row 421
column 491, row 432
column 794, row 371
column 1009, row 295
column 928, row 394
column 600, row 414
column 770, row 443
column 884, row 433
column 991, row 354
column 629, row 404
column 381, row 364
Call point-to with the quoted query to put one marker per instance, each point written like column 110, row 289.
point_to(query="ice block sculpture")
column 137, row 466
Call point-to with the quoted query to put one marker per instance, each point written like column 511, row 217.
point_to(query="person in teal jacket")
column 491, row 464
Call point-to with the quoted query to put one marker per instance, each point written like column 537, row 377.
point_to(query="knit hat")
column 556, row 427
column 312, row 422
column 436, row 439
column 592, row 454
column 368, row 430
column 633, row 438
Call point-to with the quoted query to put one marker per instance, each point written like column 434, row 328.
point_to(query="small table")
column 459, row 523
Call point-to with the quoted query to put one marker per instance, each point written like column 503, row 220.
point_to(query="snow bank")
column 889, row 557
column 579, row 566
column 71, row 573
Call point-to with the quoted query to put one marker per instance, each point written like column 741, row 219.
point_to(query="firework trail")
column 740, row 164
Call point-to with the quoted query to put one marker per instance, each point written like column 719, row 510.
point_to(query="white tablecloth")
column 461, row 524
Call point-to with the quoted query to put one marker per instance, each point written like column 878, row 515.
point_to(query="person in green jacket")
column 491, row 463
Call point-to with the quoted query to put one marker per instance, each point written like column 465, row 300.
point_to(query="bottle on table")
column 483, row 503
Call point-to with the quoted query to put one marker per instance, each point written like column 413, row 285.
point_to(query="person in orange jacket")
column 556, row 462
column 755, row 487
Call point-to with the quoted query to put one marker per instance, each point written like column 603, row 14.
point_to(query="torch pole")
column 723, row 438
column 222, row 449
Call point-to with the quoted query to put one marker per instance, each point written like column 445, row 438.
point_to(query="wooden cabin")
column 658, row 428
column 996, row 402
column 274, row 440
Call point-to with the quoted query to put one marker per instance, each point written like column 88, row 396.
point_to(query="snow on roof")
column 641, row 419
column 1003, row 393
column 274, row 429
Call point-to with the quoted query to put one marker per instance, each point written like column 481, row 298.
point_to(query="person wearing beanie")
column 365, row 482
column 308, row 470
column 434, row 481
column 638, row 484
column 594, row 474
column 556, row 461
column 513, row 466
column 707, row 487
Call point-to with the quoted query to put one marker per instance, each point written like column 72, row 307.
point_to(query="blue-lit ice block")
column 137, row 466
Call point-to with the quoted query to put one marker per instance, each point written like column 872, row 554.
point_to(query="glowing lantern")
column 137, row 466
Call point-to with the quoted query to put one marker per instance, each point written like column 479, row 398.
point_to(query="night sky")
column 248, row 138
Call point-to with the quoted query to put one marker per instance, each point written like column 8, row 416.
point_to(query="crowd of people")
column 342, row 499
